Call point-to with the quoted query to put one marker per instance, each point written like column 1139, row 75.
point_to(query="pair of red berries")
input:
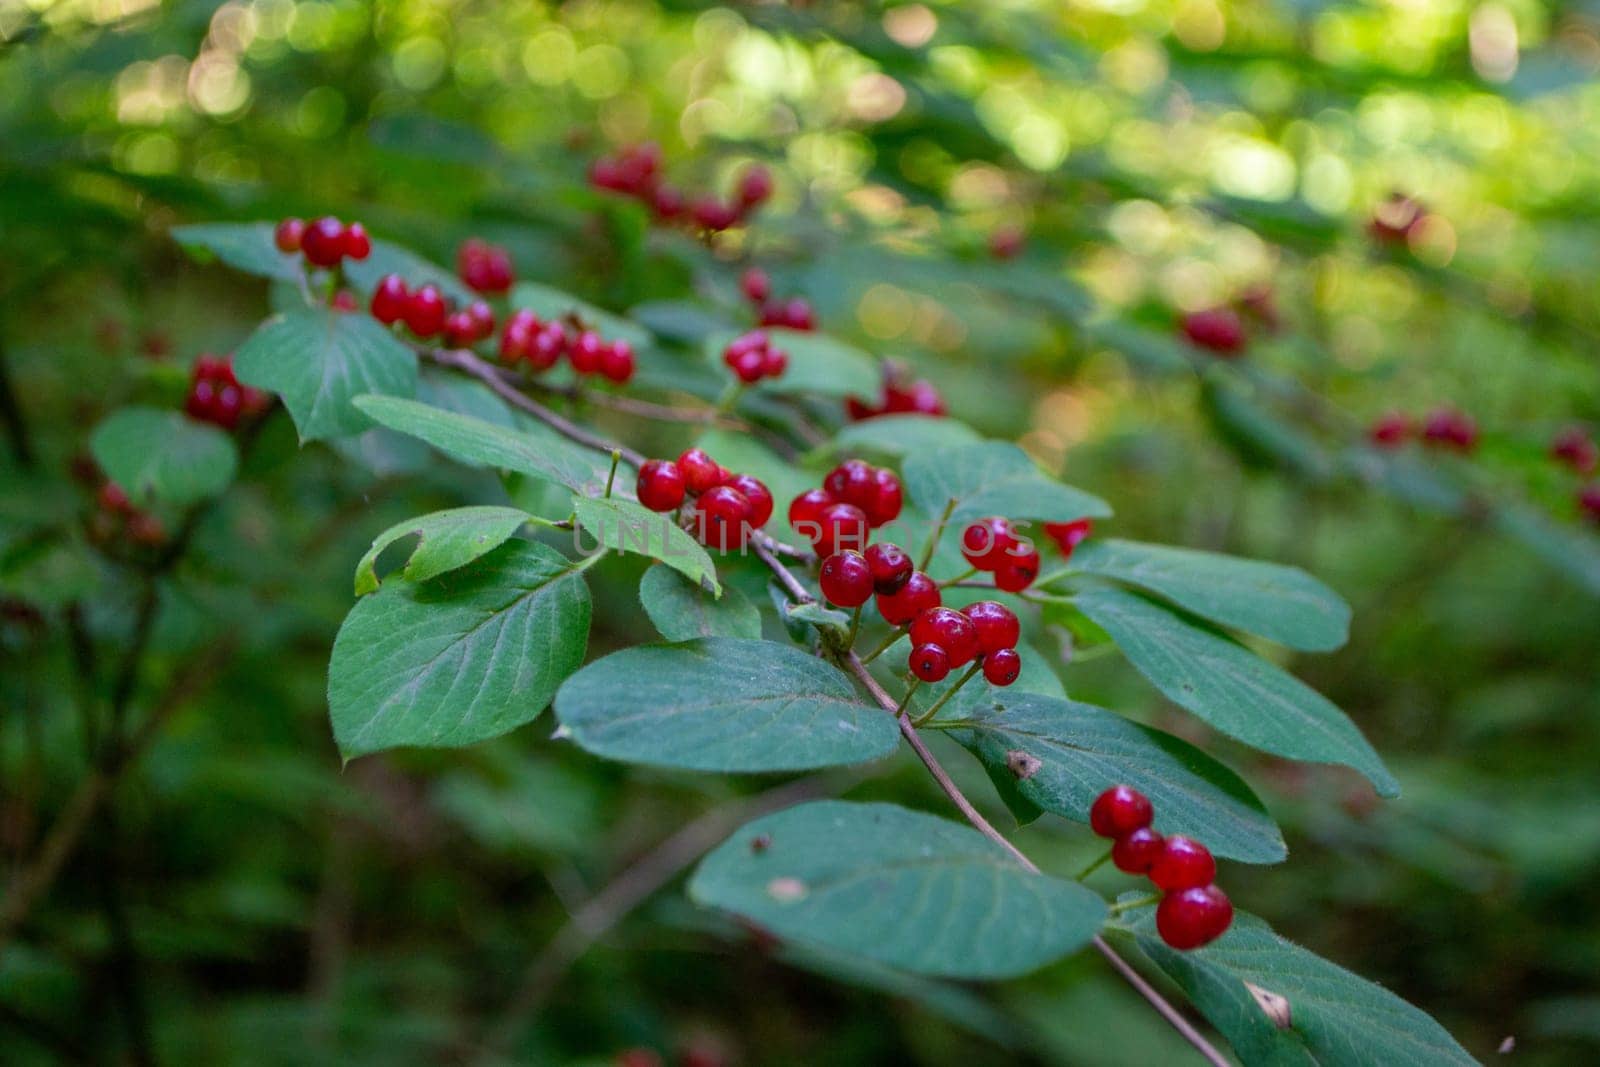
column 1069, row 535
column 992, row 545
column 485, row 268
column 324, row 242
column 917, row 398
column 540, row 344
column 427, row 312
column 855, row 497
column 1193, row 911
column 1217, row 330
column 794, row 313
column 1443, row 427
column 726, row 506
column 1576, row 449
column 943, row 639
column 635, row 171
column 118, row 515
column 848, row 578
column 215, row 395
column 753, row 356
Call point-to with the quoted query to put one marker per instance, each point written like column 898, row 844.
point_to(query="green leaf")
column 722, row 704
column 1259, row 437
column 319, row 361
column 474, row 441
column 898, row 436
column 1062, row 754
column 389, row 258
column 445, row 540
column 994, row 478
column 1569, row 549
column 164, row 456
column 246, row 246
column 816, row 615
column 1283, row 604
column 466, row 656
column 900, row 887
column 1334, row 1017
column 1231, row 687
column 627, row 526
column 819, row 365
column 682, row 610
column 549, row 302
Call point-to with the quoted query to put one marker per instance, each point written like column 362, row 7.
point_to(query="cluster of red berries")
column 943, row 639
column 752, row 356
column 427, row 312
column 117, row 515
column 1576, row 449
column 1589, row 502
column 485, row 268
column 1397, row 220
column 635, row 171
column 723, row 506
column 540, row 344
column 898, row 398
column 855, row 497
column 215, row 395
column 794, row 313
column 1193, row 911
column 1069, row 535
column 992, row 545
column 1443, row 427
column 324, row 242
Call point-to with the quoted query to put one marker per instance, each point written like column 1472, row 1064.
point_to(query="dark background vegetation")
column 251, row 901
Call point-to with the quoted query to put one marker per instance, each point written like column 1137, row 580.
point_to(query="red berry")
column 616, row 362
column 1005, row 243
column 775, row 363
column 724, row 515
column 585, row 352
column 668, row 202
column 323, row 241
column 1217, row 330
column 930, row 663
column 840, row 526
column 226, row 408
column 755, row 491
column 986, row 543
column 918, row 595
column 112, row 498
column 949, row 629
column 797, row 315
column 482, row 316
column 714, row 215
column 1193, row 917
column 288, row 234
column 548, row 345
column 996, row 624
column 891, row 567
column 852, row 482
column 748, row 365
column 389, row 299
column 1137, row 851
column 1069, row 535
column 805, row 511
column 1120, row 810
column 886, row 499
column 1389, row 431
column 1002, row 668
column 660, row 486
column 755, row 186
column 1017, row 572
column 1576, row 449
column 357, row 245
column 459, row 330
column 700, row 471
column 1589, row 502
column 1183, row 864
column 755, row 285
column 846, row 579
column 425, row 311
column 1450, row 428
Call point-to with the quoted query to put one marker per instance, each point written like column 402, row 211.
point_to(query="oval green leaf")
column 993, row 478
column 628, row 526
column 164, row 457
column 683, row 610
column 246, row 246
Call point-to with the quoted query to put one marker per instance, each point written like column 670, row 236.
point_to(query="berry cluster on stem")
column 899, row 397
column 752, row 356
column 485, row 268
column 1193, row 911
column 794, row 313
column 215, row 395
column 992, row 545
column 719, row 507
column 324, row 242
column 636, row 171
column 1444, row 427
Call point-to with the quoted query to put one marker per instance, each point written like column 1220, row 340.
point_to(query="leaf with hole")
column 899, row 887
column 445, row 540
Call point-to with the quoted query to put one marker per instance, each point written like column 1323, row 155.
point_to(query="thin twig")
column 11, row 415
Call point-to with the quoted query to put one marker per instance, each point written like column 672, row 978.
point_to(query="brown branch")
column 767, row 551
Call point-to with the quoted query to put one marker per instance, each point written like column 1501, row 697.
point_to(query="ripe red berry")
column 1002, row 668
column 985, row 543
column 950, row 630
column 774, row 363
column 482, row 316
column 1069, row 535
column 1575, row 448
column 1389, row 431
column 585, row 352
column 425, row 311
column 389, row 299
column 616, row 362
column 1006, row 243
column 700, row 471
column 886, row 498
column 840, row 526
column 1017, row 572
column 1120, row 810
column 755, row 285
column 891, row 567
column 1450, row 428
column 930, row 663
column 548, row 345
column 713, row 215
column 755, row 186
column 749, row 365
column 1183, row 864
column 755, row 491
column 846, row 579
column 660, row 486
column 851, row 482
column 484, row 267
column 459, row 330
column 287, row 235
column 357, row 245
column 918, row 595
column 996, row 624
column 668, row 202
column 724, row 515
column 1589, row 502
column 797, row 315
column 1217, row 330
column 323, row 241
column 1193, row 917
column 113, row 499
column 805, row 511
column 1135, row 852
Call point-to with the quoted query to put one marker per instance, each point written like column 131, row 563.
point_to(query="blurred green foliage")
column 1158, row 155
